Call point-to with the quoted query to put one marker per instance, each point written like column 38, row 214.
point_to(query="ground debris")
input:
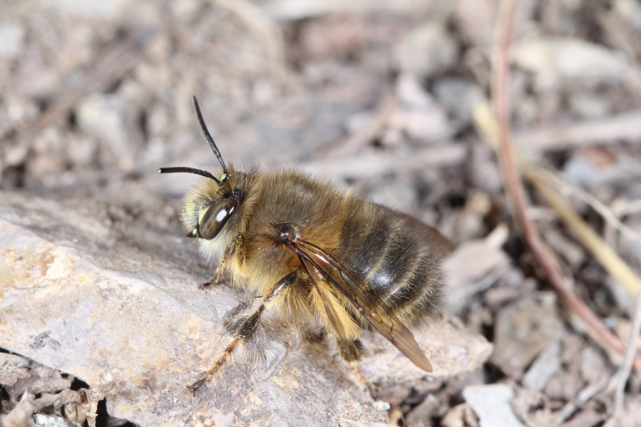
column 100, row 312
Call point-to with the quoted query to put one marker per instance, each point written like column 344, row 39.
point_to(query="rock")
column 110, row 9
column 593, row 366
column 451, row 349
column 52, row 421
column 12, row 36
column 12, row 369
column 558, row 61
column 482, row 170
column 419, row 116
column 534, row 408
column 400, row 192
column 476, row 20
column 460, row 416
column 597, row 166
column 332, row 36
column 420, row 415
column 492, row 404
column 546, row 364
column 587, row 417
column 565, row 385
column 472, row 268
column 108, row 292
column 523, row 330
column 459, row 96
column 570, row 251
column 629, row 11
column 631, row 412
column 426, row 50
column 108, row 119
column 130, row 318
column 589, row 105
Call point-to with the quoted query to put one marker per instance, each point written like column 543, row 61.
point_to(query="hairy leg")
column 247, row 327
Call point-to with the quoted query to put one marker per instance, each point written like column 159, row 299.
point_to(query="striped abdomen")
column 397, row 256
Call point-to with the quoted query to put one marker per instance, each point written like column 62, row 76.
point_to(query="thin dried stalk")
column 608, row 258
column 623, row 373
column 384, row 110
column 553, row 178
column 516, row 192
column 489, row 129
column 610, row 130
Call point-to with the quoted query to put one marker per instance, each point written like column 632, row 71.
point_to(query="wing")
column 371, row 307
column 328, row 306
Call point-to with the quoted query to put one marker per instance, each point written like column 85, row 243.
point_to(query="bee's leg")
column 351, row 350
column 219, row 274
column 217, row 279
column 247, row 327
column 353, row 365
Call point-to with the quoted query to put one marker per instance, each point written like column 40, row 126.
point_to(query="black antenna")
column 212, row 144
column 189, row 170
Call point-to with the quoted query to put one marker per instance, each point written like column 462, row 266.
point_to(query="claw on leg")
column 195, row 386
column 373, row 390
column 214, row 281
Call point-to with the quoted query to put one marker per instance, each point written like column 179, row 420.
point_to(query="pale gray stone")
column 492, row 404
column 108, row 292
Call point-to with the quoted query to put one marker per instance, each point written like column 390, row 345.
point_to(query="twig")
column 93, row 413
column 584, row 396
column 610, row 130
column 500, row 101
column 488, row 127
column 622, row 38
column 516, row 192
column 296, row 10
column 553, row 179
column 384, row 110
column 592, row 241
column 621, row 377
column 267, row 32
column 373, row 164
column 622, row 207
column 114, row 64
column 619, row 208
column 608, row 258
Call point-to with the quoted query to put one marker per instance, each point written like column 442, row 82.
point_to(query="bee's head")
column 209, row 206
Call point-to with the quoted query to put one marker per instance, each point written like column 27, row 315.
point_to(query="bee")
column 316, row 255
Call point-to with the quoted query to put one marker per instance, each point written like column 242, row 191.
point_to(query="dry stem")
column 623, row 374
column 516, row 192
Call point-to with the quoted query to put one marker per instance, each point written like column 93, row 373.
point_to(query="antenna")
column 189, row 170
column 212, row 144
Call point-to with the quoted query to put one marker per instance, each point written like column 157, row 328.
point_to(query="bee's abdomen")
column 398, row 258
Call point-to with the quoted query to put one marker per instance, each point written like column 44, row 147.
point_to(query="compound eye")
column 215, row 218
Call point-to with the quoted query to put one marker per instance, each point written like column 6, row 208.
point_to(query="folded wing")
column 319, row 263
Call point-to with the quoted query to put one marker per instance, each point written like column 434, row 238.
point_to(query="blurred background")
column 360, row 92
column 376, row 95
column 373, row 93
